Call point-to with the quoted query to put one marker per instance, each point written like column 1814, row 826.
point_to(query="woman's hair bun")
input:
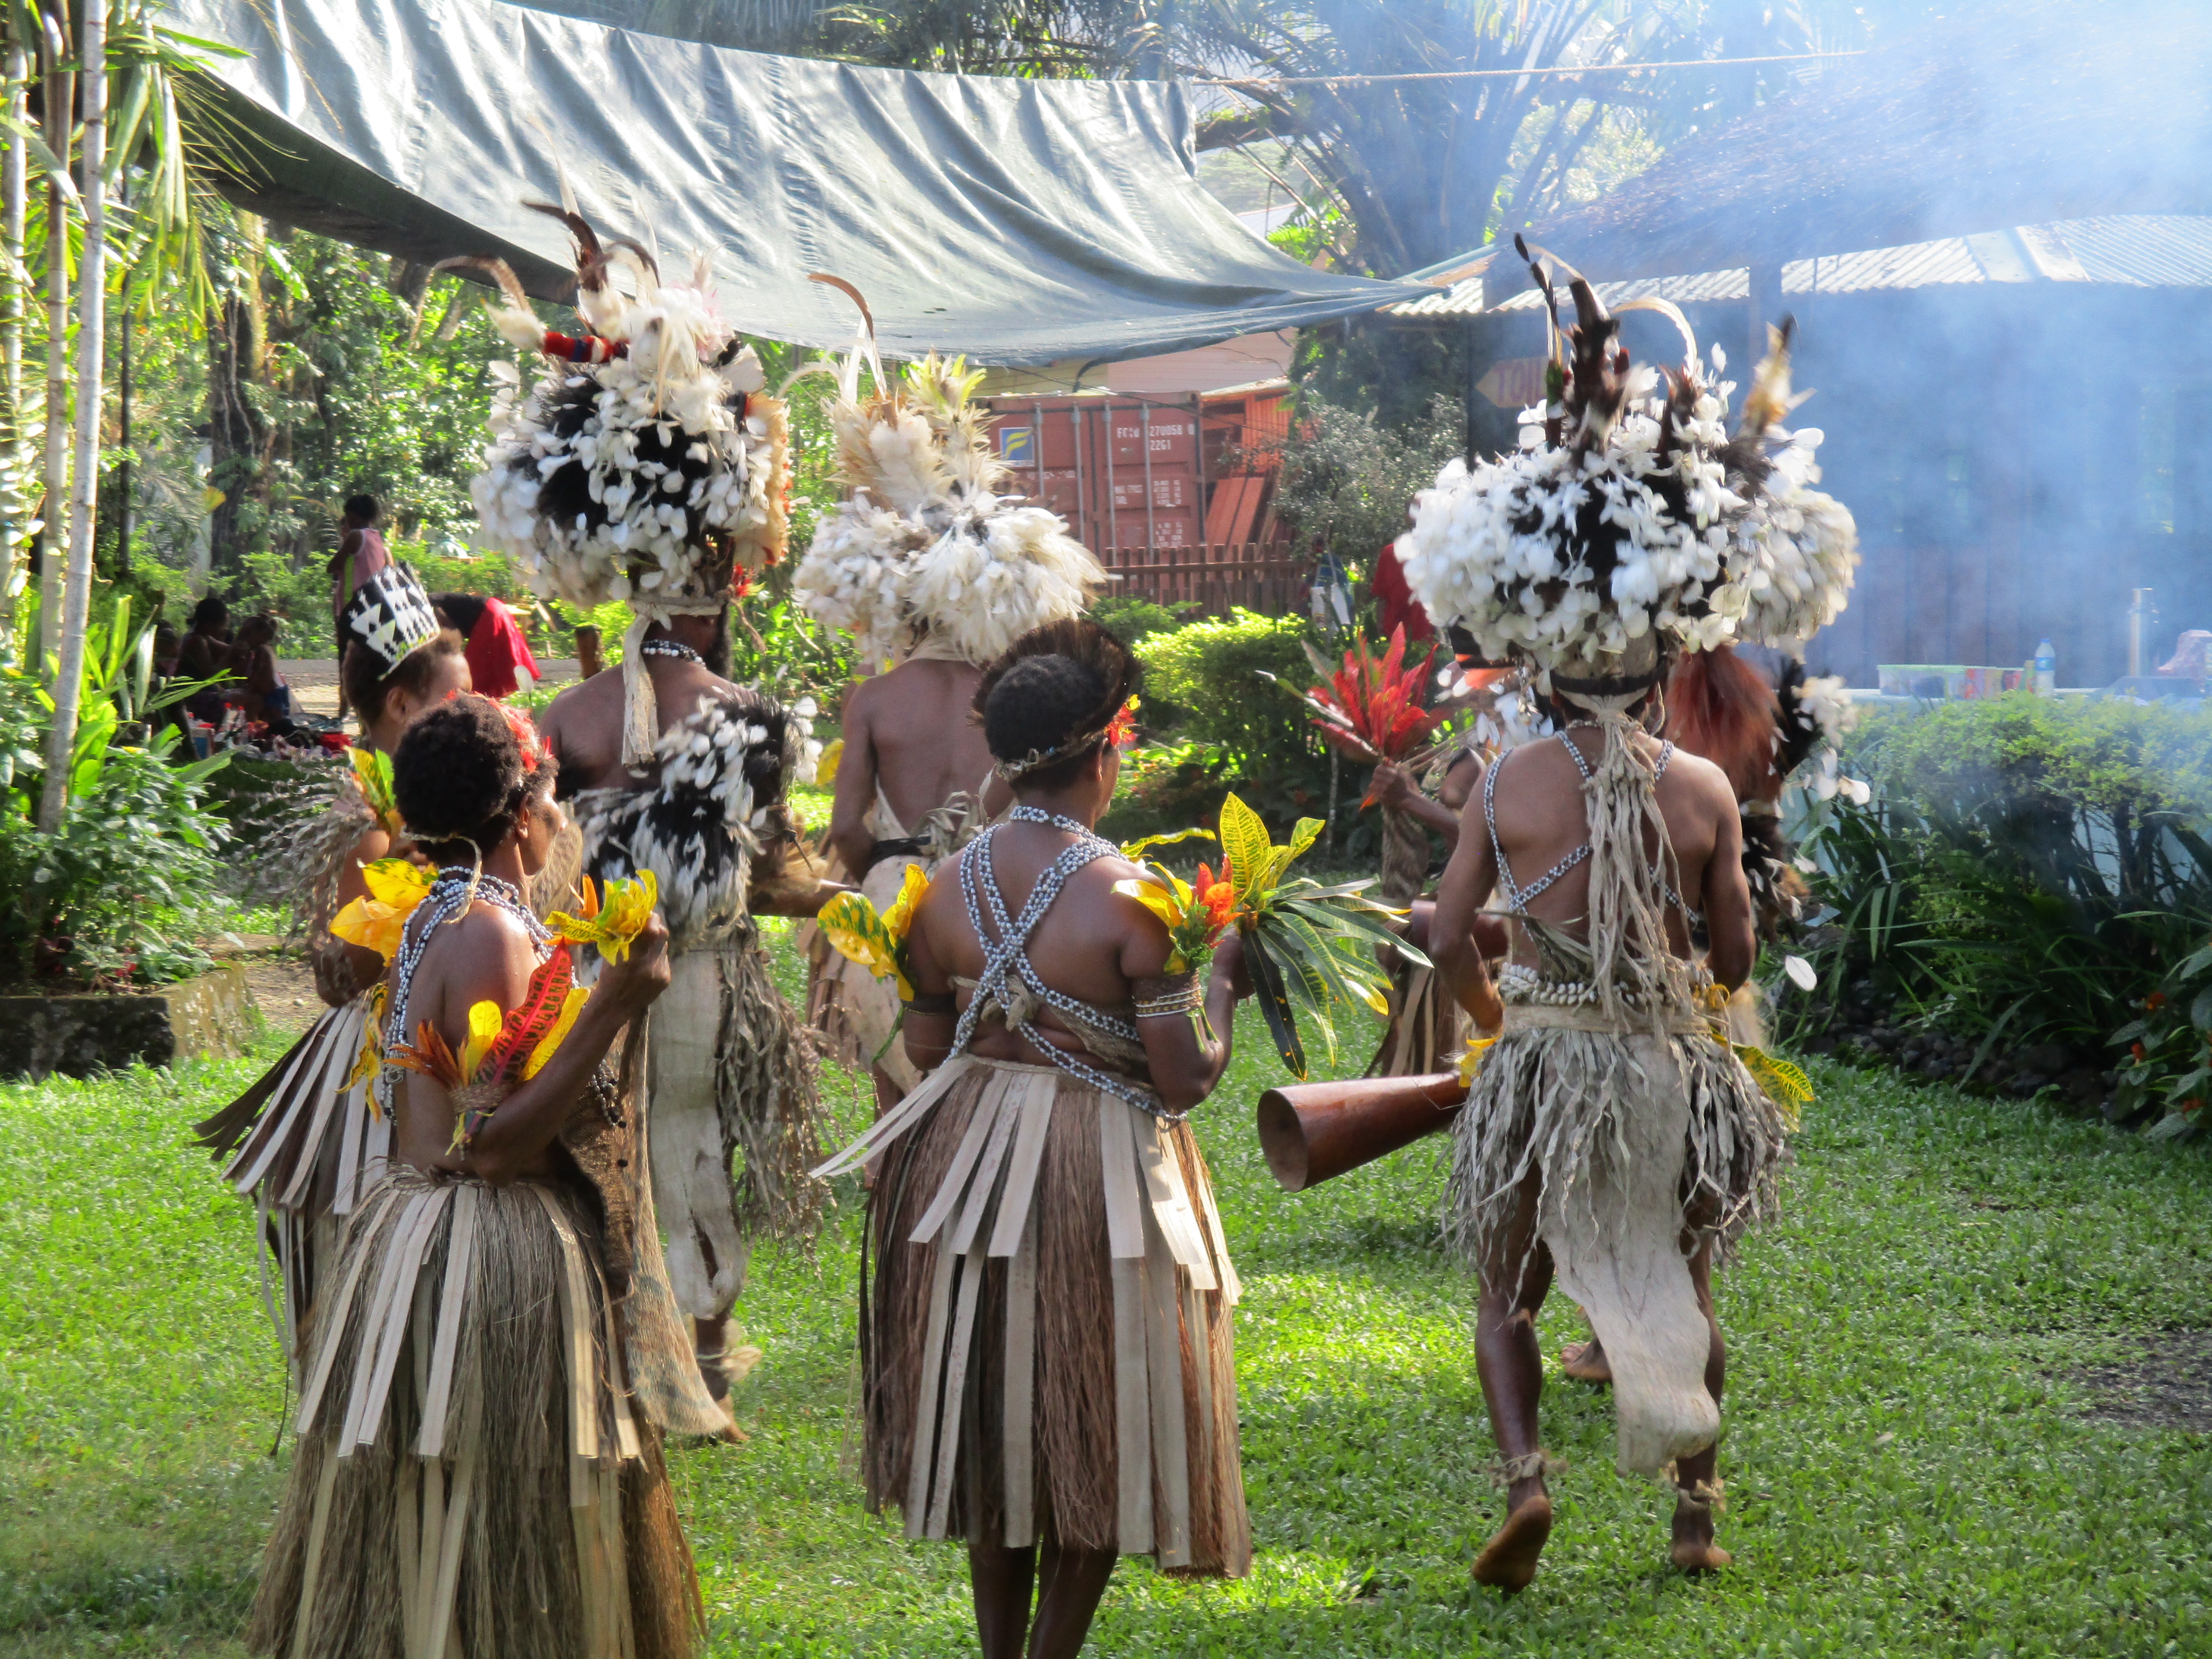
column 459, row 775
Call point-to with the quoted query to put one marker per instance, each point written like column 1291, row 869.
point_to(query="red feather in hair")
column 1721, row 707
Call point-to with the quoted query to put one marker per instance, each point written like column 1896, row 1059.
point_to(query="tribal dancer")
column 1613, row 1137
column 729, row 1070
column 929, row 567
column 1047, row 1341
column 495, row 1358
column 648, row 464
column 304, row 1140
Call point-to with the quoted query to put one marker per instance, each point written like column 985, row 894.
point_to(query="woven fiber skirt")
column 303, row 1144
column 1046, row 1337
column 469, row 1480
column 1634, row 1143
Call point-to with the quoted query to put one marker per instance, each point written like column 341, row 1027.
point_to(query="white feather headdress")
column 1630, row 513
column 647, row 463
column 925, row 542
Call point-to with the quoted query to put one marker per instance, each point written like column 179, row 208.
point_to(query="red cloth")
column 496, row 649
column 1399, row 607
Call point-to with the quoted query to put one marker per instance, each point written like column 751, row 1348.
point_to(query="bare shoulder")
column 1710, row 782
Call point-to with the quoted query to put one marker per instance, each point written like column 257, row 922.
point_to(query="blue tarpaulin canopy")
column 1018, row 221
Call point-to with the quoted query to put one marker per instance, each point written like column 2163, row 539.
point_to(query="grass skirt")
column 303, row 1145
column 1047, row 1340
column 470, row 1478
column 1632, row 1141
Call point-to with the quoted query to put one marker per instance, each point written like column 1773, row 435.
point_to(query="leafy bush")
column 1349, row 479
column 115, row 894
column 1131, row 620
column 2029, row 870
column 1203, row 681
column 1219, row 725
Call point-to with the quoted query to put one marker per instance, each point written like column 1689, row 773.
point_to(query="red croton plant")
column 1371, row 710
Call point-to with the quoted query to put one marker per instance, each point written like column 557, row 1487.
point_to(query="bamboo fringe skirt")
column 1047, row 1339
column 304, row 1145
column 469, row 1480
column 1614, row 1149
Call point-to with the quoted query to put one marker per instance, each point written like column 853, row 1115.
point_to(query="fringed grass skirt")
column 1047, row 1339
column 470, row 1478
column 304, row 1145
column 1631, row 1142
column 1424, row 1033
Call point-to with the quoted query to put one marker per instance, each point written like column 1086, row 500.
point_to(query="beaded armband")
column 1169, row 996
column 1176, row 994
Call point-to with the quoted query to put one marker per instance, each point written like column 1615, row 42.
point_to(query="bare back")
column 914, row 723
column 1535, row 798
column 584, row 724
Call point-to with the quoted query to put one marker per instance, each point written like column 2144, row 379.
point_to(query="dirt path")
column 315, row 681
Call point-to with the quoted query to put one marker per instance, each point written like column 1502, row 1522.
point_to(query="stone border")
column 212, row 1015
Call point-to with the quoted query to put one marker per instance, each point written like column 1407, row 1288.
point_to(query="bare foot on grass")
column 1509, row 1560
column 1585, row 1362
column 1694, row 1549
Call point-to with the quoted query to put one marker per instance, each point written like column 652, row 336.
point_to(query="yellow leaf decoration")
column 371, row 1059
column 900, row 918
column 1167, row 902
column 571, row 1006
column 1471, row 1061
column 832, row 757
column 371, row 771
column 1785, row 1084
column 396, row 886
column 850, row 923
column 1134, row 850
column 485, row 1019
column 610, row 925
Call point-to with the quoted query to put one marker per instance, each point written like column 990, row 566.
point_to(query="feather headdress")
column 925, row 542
column 1631, row 514
column 647, row 463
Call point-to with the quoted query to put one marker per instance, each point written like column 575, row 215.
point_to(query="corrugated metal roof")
column 2125, row 251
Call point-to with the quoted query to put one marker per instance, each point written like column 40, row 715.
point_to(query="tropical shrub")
column 2027, row 873
column 1219, row 723
column 116, row 893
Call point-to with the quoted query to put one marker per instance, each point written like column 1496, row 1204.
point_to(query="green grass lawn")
column 1910, row 1470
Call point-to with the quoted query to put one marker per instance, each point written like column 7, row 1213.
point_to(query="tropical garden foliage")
column 2030, row 872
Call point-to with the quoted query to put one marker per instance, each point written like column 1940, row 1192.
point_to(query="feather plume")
column 924, row 540
column 1629, row 514
column 659, row 471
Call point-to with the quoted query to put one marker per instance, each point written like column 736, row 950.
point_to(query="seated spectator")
column 263, row 695
column 201, row 654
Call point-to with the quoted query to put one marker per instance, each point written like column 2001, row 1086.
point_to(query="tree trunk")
column 234, row 429
column 54, row 120
column 92, row 323
column 15, row 461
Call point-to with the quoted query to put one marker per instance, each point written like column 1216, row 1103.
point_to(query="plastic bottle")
column 2047, row 669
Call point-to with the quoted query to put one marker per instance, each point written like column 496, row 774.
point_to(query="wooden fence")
column 1257, row 576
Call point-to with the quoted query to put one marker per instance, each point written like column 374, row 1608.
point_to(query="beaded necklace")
column 1009, row 955
column 676, row 648
column 458, row 887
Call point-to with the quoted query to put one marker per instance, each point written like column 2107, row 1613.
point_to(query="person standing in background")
column 497, row 647
column 361, row 553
